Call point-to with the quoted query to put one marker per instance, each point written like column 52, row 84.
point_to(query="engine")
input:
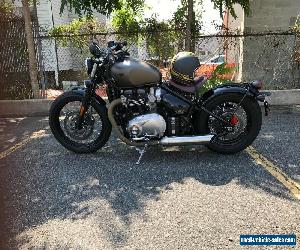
column 147, row 126
column 154, row 112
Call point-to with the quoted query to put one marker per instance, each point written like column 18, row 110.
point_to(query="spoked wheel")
column 235, row 115
column 63, row 119
column 244, row 122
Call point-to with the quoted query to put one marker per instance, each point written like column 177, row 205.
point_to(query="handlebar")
column 114, row 52
column 116, row 45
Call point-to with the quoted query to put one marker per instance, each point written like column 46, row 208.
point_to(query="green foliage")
column 76, row 31
column 160, row 39
column 217, row 78
column 296, row 27
column 105, row 7
column 229, row 5
column 296, row 52
column 6, row 8
column 127, row 22
column 179, row 21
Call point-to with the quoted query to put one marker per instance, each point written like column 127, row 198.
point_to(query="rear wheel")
column 245, row 122
column 63, row 117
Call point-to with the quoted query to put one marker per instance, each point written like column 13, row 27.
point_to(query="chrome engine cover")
column 147, row 126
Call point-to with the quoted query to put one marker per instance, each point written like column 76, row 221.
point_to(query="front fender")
column 222, row 89
column 81, row 90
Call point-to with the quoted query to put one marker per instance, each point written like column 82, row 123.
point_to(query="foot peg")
column 267, row 108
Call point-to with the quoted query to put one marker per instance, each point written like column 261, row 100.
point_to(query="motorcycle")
column 145, row 111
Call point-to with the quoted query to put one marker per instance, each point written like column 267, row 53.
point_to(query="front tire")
column 252, row 126
column 70, row 140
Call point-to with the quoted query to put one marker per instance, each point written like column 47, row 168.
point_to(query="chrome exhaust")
column 186, row 140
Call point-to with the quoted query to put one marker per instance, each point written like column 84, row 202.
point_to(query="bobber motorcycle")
column 146, row 111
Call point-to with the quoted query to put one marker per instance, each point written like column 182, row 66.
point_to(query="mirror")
column 94, row 49
column 110, row 44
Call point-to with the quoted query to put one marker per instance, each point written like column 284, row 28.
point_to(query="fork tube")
column 86, row 101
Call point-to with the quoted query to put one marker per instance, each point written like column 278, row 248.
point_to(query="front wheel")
column 93, row 134
column 244, row 116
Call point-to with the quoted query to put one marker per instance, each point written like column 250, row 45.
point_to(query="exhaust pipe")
column 186, row 140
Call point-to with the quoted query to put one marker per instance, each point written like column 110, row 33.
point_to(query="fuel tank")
column 132, row 73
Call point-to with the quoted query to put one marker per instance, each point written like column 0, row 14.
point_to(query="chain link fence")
column 273, row 57
column 14, row 77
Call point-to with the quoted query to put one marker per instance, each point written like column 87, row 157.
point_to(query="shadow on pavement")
column 46, row 182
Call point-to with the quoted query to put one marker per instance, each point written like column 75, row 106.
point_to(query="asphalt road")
column 177, row 198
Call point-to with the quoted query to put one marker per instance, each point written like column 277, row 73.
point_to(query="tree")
column 135, row 29
column 79, row 32
column 128, row 22
column 229, row 5
column 125, row 17
column 31, row 51
column 106, row 7
column 189, row 23
column 160, row 39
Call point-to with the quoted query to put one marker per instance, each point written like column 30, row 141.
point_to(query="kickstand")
column 141, row 152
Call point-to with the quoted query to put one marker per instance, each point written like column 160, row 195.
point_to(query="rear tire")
column 64, row 140
column 254, row 121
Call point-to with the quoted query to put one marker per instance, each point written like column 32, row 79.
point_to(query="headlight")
column 88, row 65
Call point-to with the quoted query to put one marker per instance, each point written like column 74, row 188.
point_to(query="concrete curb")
column 284, row 97
column 40, row 107
column 31, row 107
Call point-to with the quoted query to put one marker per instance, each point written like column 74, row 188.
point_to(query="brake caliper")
column 234, row 120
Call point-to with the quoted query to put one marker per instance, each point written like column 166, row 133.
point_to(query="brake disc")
column 73, row 132
column 224, row 132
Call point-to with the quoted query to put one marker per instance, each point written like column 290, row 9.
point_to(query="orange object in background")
column 209, row 68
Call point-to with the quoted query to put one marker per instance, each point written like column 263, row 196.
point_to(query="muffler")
column 186, row 140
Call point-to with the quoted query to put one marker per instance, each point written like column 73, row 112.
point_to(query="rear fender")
column 232, row 88
column 224, row 89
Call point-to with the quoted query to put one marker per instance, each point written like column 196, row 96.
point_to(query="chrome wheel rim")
column 91, row 128
column 237, row 129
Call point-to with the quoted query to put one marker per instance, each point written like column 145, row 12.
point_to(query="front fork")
column 85, row 103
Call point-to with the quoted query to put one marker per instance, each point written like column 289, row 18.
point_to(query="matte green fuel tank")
column 132, row 73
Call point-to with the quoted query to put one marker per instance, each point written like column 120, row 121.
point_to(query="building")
column 267, row 57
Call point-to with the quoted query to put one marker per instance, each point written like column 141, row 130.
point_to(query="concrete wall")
column 272, row 14
column 270, row 57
